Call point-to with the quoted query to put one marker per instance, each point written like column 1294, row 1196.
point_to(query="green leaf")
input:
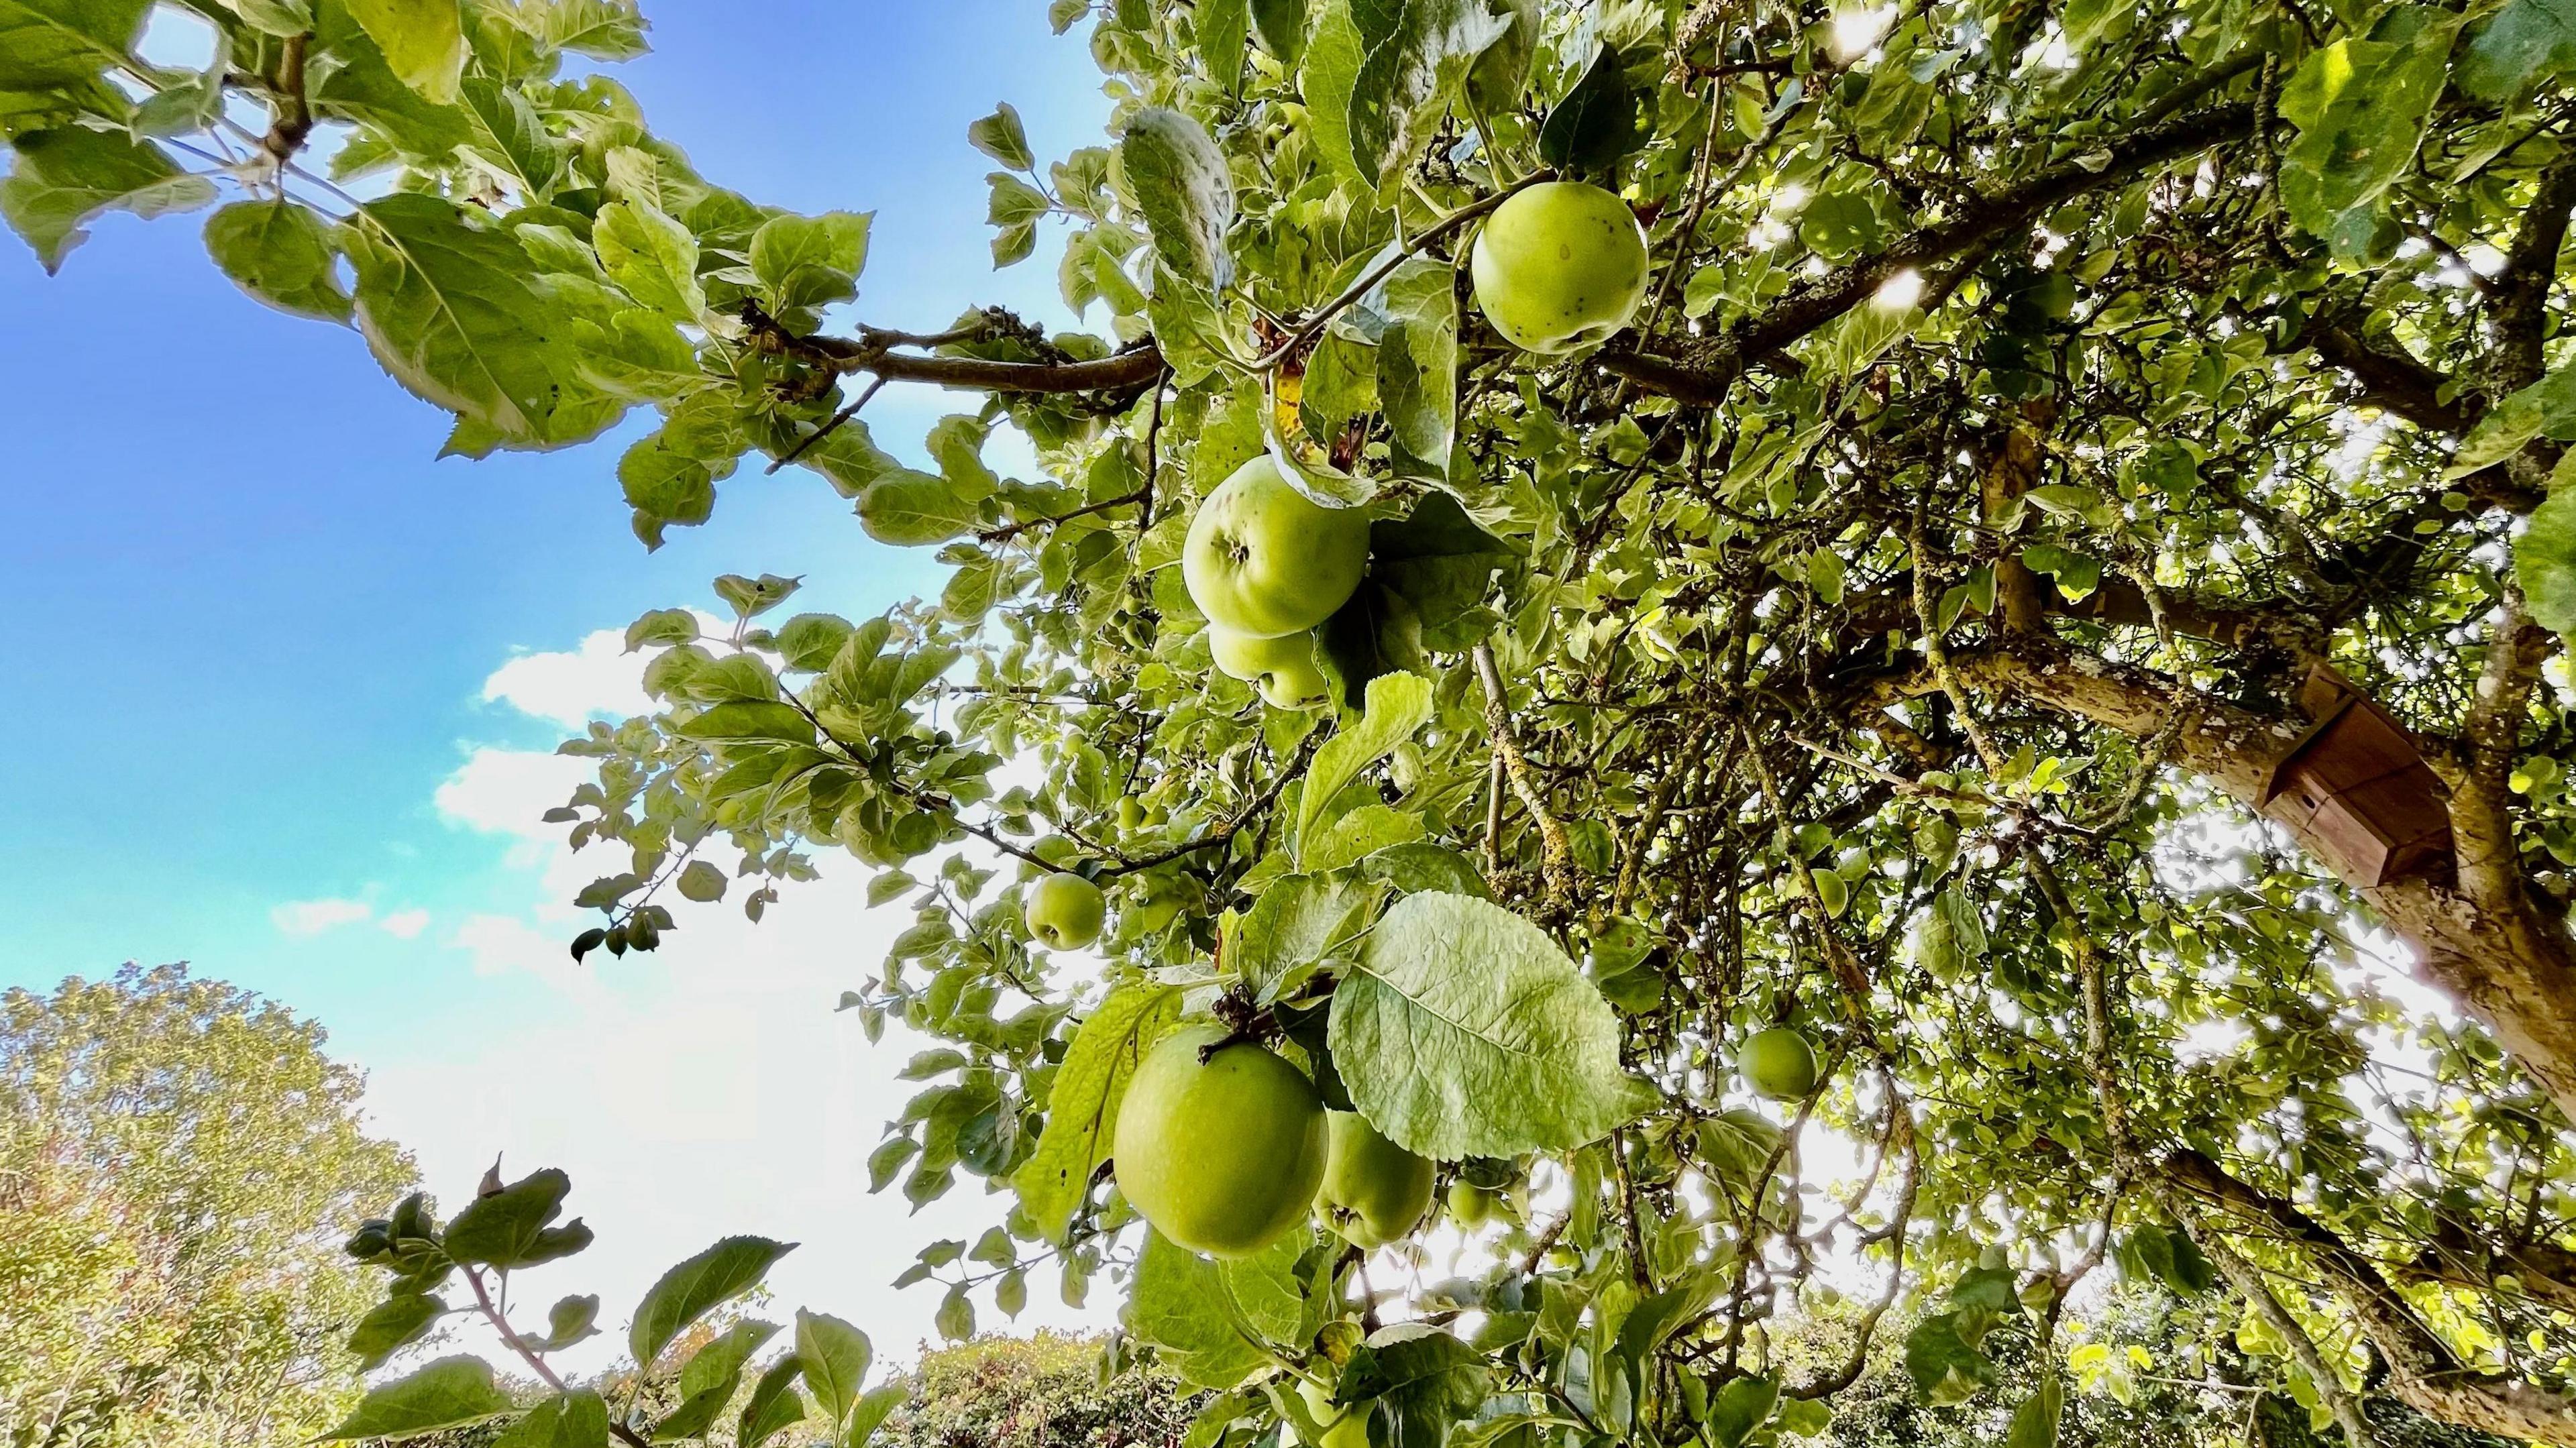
column 578, row 1419
column 662, row 626
column 1596, row 124
column 423, row 42
column 1398, row 704
column 449, row 1393
column 2523, row 42
column 909, row 509
column 1224, row 40
column 46, row 44
column 1297, row 924
column 2360, row 106
column 1740, row 1407
column 1501, row 72
column 653, row 257
column 569, row 1321
column 1442, row 561
column 1181, row 185
column 1326, row 78
column 600, row 29
column 2546, row 408
column 2034, row 1423
column 282, row 254
column 64, row 179
column 775, row 1405
column 1946, row 1369
column 1265, row 1292
column 1423, row 1379
column 956, row 1317
column 511, row 137
column 873, row 1411
column 1467, row 1032
column 450, row 310
column 1001, row 137
column 1406, row 80
column 1178, row 1305
column 1281, row 27
column 708, row 1383
column 403, row 1318
column 802, row 262
column 1082, row 1107
column 702, row 882
column 1417, row 368
column 692, row 1289
column 510, row 1227
column 835, row 1356
column 749, row 719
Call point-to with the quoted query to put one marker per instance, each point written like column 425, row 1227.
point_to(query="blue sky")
column 261, row 623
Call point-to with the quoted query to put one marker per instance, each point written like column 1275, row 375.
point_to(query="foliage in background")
column 1044, row 1391
column 178, row 1164
column 2042, row 417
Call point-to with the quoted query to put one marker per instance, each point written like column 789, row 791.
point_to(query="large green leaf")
column 692, row 1289
column 511, row 1227
column 403, row 1318
column 1179, row 1304
column 1180, row 183
column 2360, row 106
column 1325, row 78
column 2521, row 43
column 1442, row 561
column 450, row 309
column 774, row 1405
column 908, row 509
column 2546, row 408
column 64, row 179
column 281, row 253
column 710, row 1380
column 45, row 44
column 1424, row 1381
column 2034, row 1423
column 1082, row 1107
column 1946, row 1368
column 804, row 262
column 578, row 1419
column 1407, row 78
column 1299, row 922
column 653, row 257
column 1467, row 1032
column 1596, row 124
column 449, row 1393
column 1398, row 704
column 423, row 41
column 835, row 1357
column 2544, row 562
column 1417, row 367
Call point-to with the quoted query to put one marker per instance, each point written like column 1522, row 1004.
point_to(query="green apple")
column 1470, row 1205
column 1778, row 1065
column 1064, row 910
column 1561, row 265
column 1384, row 1186
column 1264, row 559
column 1222, row 1156
column 1284, row 667
column 1343, row 1427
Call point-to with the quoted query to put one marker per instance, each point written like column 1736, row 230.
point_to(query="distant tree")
column 178, row 1164
column 1034, row 1392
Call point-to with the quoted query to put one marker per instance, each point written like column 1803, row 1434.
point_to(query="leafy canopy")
column 2053, row 435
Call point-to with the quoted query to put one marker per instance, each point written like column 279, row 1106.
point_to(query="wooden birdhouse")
column 2357, row 792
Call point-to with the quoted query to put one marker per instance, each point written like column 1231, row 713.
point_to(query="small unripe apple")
column 1283, row 667
column 1263, row 559
column 1559, row 266
column 1064, row 911
column 1384, row 1186
column 1469, row 1204
column 1222, row 1156
column 1778, row 1065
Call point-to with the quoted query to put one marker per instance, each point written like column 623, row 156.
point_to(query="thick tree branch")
column 2424, row 1373
column 2391, row 379
column 2517, row 323
column 1702, row 370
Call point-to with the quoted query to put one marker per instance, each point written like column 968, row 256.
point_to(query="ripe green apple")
column 1223, row 1156
column 1284, row 667
column 1064, row 910
column 1778, row 1065
column 1385, row 1186
column 1264, row 559
column 1343, row 1427
column 1561, row 265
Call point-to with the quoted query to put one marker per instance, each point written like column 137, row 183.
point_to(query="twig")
column 1559, row 854
column 827, row 429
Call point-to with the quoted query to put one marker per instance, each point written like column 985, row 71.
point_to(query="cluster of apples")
column 1224, row 1147
column 1559, row 266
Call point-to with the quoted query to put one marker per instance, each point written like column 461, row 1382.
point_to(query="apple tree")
column 2010, row 542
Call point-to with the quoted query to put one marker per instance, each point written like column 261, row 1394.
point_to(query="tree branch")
column 2521, row 313
column 1557, row 852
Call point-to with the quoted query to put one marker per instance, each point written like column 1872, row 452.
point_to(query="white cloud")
column 707, row 1088
column 312, row 917
column 599, row 677
column 404, row 924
